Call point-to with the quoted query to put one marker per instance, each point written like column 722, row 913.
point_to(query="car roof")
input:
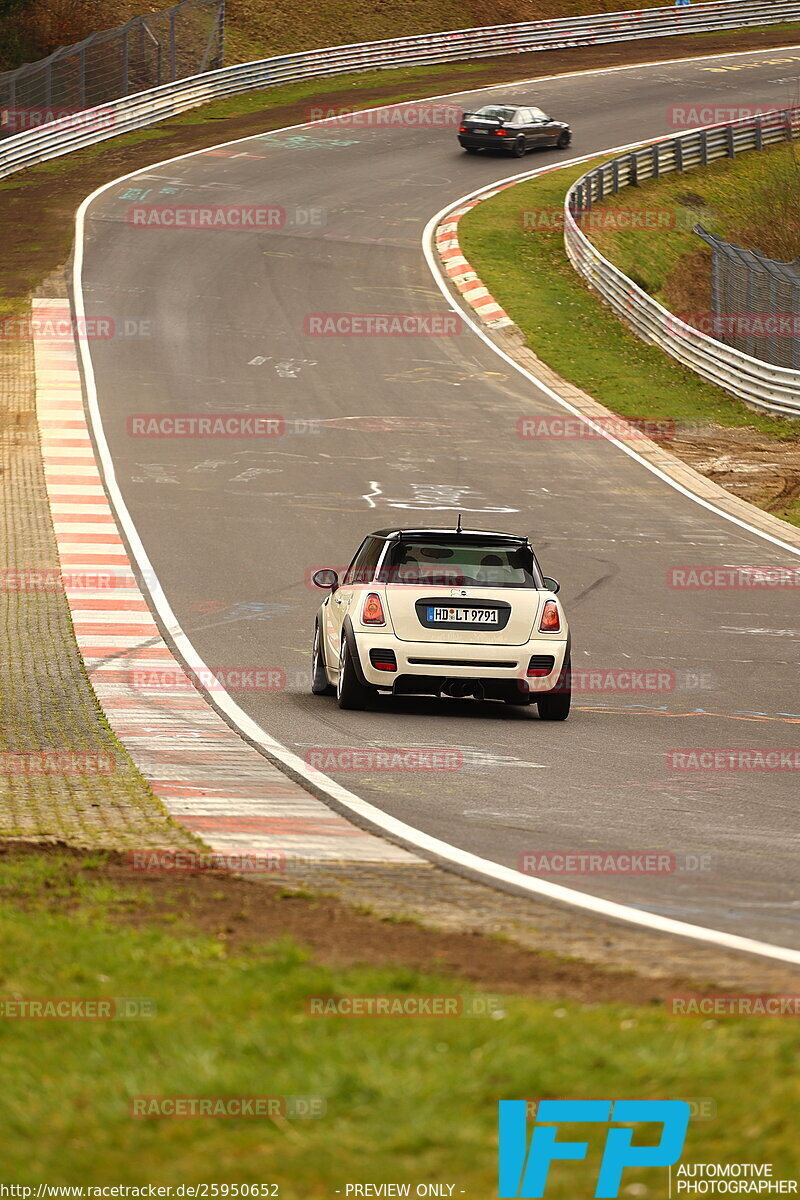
column 449, row 532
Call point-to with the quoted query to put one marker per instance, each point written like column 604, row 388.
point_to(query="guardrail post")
column 600, row 185
column 634, row 170
column 656, row 161
column 173, row 56
column 678, row 144
column 759, row 134
column 82, row 77
column 615, row 175
column 704, row 148
column 125, row 60
column 729, row 142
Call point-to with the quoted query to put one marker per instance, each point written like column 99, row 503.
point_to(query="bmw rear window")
column 439, row 563
column 492, row 112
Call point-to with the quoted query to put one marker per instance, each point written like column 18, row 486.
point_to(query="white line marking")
column 339, row 795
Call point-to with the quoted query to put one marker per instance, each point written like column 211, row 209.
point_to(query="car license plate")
column 460, row 616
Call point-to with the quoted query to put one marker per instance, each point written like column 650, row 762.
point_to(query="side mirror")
column 551, row 584
column 326, row 578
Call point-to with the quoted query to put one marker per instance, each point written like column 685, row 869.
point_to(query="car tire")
column 556, row 706
column 564, row 139
column 518, row 148
column 320, row 684
column 350, row 691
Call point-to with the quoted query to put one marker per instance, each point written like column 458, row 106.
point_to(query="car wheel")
column 564, row 139
column 471, row 149
column 350, row 691
column 320, row 685
column 518, row 148
column 555, row 707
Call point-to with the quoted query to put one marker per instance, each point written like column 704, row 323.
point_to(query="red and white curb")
column 459, row 271
column 208, row 778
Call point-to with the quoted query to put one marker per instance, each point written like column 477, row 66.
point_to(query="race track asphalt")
column 411, row 430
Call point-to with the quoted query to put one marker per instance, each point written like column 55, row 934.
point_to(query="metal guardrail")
column 146, row 108
column 759, row 384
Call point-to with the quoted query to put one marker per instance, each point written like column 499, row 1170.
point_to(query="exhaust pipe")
column 460, row 689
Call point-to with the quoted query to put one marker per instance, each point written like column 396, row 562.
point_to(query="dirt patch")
column 244, row 913
column 752, row 465
column 37, row 217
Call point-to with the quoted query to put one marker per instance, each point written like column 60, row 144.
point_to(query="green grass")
column 570, row 328
column 736, row 198
column 407, row 1099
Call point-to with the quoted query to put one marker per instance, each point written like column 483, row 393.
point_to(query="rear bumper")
column 432, row 661
column 480, row 142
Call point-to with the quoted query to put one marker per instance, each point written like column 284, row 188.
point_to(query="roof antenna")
column 458, row 526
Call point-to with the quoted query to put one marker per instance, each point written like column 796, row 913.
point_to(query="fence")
column 147, row 51
column 760, row 384
column 768, row 292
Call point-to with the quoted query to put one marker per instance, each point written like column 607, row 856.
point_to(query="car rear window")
column 452, row 564
column 495, row 113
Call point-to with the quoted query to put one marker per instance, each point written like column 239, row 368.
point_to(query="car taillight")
column 550, row 622
column 373, row 610
column 462, row 129
column 500, row 133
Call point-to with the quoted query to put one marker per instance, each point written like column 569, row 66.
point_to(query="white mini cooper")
column 443, row 612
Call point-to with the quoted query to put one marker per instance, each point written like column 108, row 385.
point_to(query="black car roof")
column 449, row 532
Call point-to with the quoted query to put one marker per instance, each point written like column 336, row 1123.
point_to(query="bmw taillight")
column 372, row 613
column 462, row 129
column 500, row 133
column 550, row 622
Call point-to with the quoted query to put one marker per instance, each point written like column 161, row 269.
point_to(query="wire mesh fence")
column 755, row 302
column 147, row 51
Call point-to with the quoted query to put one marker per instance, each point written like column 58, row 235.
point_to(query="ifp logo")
column 523, row 1172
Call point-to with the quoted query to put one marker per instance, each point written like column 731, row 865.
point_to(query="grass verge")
column 408, row 1100
column 570, row 328
column 753, row 200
